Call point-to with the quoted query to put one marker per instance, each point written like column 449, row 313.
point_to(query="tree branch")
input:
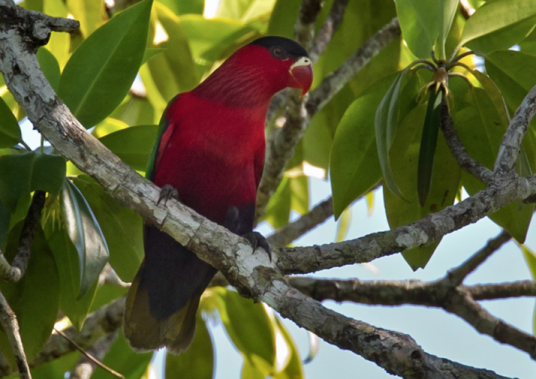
column 9, row 323
column 305, row 26
column 325, row 34
column 457, row 149
column 290, row 232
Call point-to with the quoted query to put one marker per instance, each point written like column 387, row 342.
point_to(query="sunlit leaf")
column 180, row 7
column 85, row 233
column 59, row 43
column 343, row 225
column 197, row 361
column 419, row 24
column 499, row 25
column 90, row 13
column 293, row 368
column 101, row 70
column 447, row 12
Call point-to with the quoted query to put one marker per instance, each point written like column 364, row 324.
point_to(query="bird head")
column 285, row 58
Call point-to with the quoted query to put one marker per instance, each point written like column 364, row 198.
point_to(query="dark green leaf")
column 419, row 24
column 4, row 225
column 445, row 179
column 124, row 360
column 35, row 298
column 250, row 329
column 48, row 173
column 133, row 145
column 428, row 144
column 9, row 127
column 101, row 70
column 15, row 176
column 197, row 361
column 85, row 233
column 481, row 131
column 499, row 25
column 66, row 257
column 121, row 226
column 50, row 67
column 514, row 73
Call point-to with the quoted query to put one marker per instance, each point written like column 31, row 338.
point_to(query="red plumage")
column 212, row 151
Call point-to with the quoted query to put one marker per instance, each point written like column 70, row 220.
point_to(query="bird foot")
column 167, row 192
column 258, row 240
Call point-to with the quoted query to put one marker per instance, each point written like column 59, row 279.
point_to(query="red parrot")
column 210, row 154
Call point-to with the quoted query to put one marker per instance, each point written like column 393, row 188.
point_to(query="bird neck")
column 240, row 85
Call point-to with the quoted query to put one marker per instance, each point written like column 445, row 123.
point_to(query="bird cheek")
column 301, row 77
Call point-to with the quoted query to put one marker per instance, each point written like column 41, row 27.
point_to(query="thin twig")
column 325, row 34
column 290, row 232
column 9, row 322
column 457, row 149
column 525, row 288
column 92, row 357
column 458, row 274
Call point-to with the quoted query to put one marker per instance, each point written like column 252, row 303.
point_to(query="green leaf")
column 279, row 205
column 249, row 328
column 86, row 235
column 121, row 226
column 90, row 13
column 124, row 360
column 419, row 24
column 50, row 67
column 293, row 369
column 9, row 127
column 173, row 71
column 101, row 70
column 354, row 164
column 343, row 225
column 249, row 371
column 445, row 179
column 35, row 297
column 48, row 173
column 499, row 25
column 57, row 368
column 133, row 145
column 514, row 73
column 4, row 225
column 447, row 12
column 385, row 125
column 180, row 7
column 197, row 361
column 481, row 130
column 530, row 257
column 284, row 15
column 66, row 257
column 59, row 43
column 428, row 144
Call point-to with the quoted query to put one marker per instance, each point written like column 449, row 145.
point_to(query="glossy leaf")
column 197, row 361
column 385, row 125
column 121, row 226
column 35, row 298
column 354, row 164
column 481, row 131
column 85, row 233
column 124, row 360
column 499, row 25
column 514, row 73
column 428, row 144
column 445, row 179
column 133, row 145
column 101, row 70
column 66, row 257
column 447, row 12
column 419, row 24
column 249, row 328
column 9, row 127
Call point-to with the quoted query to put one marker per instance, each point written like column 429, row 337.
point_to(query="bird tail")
column 146, row 332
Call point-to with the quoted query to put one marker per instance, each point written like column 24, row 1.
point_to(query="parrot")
column 210, row 156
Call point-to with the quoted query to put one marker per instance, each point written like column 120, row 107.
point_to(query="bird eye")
column 278, row 52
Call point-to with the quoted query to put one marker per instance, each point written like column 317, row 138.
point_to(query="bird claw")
column 258, row 240
column 167, row 192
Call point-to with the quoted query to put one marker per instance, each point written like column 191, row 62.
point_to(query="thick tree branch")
column 9, row 323
column 457, row 149
column 305, row 26
column 290, row 232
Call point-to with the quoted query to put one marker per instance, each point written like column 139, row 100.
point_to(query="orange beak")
column 301, row 74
